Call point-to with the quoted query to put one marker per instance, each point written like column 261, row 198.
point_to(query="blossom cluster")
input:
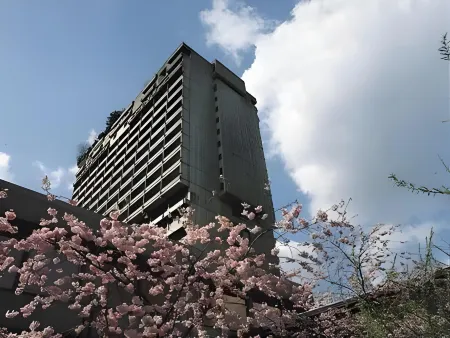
column 168, row 288
column 135, row 281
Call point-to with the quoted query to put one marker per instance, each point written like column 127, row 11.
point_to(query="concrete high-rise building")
column 191, row 137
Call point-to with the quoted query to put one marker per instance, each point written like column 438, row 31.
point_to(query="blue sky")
column 66, row 65
column 348, row 92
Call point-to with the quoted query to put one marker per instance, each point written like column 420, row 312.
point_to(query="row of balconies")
column 136, row 173
column 147, row 157
column 172, row 66
column 155, row 95
column 149, row 194
column 150, row 149
column 133, row 141
column 145, row 115
column 142, row 186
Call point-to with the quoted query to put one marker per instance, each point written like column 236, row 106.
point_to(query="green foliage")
column 84, row 148
column 422, row 189
column 417, row 306
column 445, row 48
column 405, row 315
column 111, row 119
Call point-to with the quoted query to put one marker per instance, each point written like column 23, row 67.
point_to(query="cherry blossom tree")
column 167, row 288
column 389, row 291
column 135, row 281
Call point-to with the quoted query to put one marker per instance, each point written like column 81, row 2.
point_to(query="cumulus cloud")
column 92, row 137
column 72, row 172
column 5, row 167
column 59, row 176
column 233, row 26
column 352, row 91
column 64, row 176
column 56, row 176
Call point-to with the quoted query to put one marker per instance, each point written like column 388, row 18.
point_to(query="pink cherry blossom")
column 6, row 263
column 73, row 202
column 114, row 214
column 174, row 288
column 10, row 215
column 11, row 314
column 52, row 212
column 34, row 325
column 5, row 226
column 13, row 269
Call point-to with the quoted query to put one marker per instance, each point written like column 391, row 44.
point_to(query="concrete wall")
column 244, row 166
column 30, row 207
column 243, row 162
column 198, row 101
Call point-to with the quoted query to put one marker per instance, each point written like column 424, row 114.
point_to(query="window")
column 218, row 131
column 215, row 98
column 217, row 109
column 220, row 171
column 219, row 144
column 222, row 186
column 217, row 119
column 220, row 157
column 215, row 88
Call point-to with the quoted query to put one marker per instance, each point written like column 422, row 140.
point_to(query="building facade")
column 190, row 138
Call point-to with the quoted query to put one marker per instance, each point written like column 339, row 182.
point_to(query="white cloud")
column 411, row 239
column 233, row 26
column 55, row 176
column 72, row 172
column 5, row 167
column 351, row 92
column 64, row 176
column 92, row 137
